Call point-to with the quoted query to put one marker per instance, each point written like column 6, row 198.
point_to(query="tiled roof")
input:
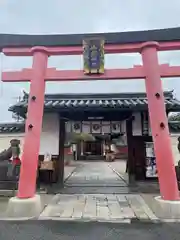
column 12, row 127
column 84, row 101
column 174, row 126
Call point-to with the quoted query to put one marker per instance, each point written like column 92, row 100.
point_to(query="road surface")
column 53, row 230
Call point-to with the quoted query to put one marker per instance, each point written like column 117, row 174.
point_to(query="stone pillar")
column 28, row 173
column 159, row 123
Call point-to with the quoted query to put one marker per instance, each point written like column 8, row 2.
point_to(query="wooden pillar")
column 130, row 163
column 60, row 167
column 28, row 173
column 82, row 147
column 159, row 123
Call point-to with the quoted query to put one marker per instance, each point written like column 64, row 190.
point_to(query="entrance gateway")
column 147, row 43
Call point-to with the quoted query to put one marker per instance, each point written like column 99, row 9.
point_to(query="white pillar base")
column 24, row 208
column 167, row 209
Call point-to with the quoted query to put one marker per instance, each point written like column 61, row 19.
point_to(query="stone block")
column 24, row 208
column 167, row 209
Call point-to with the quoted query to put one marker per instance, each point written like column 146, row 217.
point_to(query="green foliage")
column 85, row 137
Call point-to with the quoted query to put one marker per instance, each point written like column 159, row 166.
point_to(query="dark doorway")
column 139, row 157
column 93, row 148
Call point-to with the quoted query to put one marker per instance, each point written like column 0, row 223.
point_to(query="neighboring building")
column 98, row 114
column 174, row 127
column 9, row 131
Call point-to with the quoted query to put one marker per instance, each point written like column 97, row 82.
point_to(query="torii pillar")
column 159, row 123
column 27, row 203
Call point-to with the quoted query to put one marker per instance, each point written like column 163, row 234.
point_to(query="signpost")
column 93, row 55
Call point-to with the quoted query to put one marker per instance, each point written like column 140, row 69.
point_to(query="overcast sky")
column 78, row 16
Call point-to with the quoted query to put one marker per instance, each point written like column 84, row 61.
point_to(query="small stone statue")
column 15, row 163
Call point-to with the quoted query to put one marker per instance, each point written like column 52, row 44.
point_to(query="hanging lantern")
column 76, row 127
column 115, row 127
column 96, row 127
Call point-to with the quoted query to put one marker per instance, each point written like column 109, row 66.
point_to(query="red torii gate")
column 151, row 71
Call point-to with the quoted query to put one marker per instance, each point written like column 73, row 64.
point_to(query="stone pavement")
column 95, row 174
column 106, row 206
column 94, row 178
column 98, row 207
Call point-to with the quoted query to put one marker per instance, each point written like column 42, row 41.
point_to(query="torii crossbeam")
column 52, row 74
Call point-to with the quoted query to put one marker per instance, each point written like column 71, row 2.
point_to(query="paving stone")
column 89, row 208
column 78, row 210
column 103, row 212
column 121, row 198
column 68, row 212
column 111, row 197
column 137, row 207
column 127, row 212
column 146, row 209
column 114, row 207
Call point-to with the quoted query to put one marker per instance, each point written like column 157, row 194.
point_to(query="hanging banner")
column 93, row 56
column 151, row 169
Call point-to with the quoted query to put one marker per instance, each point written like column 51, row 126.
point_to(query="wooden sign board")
column 93, row 56
column 47, row 165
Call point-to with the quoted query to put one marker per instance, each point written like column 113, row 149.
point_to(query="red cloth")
column 16, row 161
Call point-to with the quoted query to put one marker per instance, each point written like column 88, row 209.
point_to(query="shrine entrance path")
column 95, row 177
column 94, row 192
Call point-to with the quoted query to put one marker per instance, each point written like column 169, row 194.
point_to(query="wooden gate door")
column 139, row 156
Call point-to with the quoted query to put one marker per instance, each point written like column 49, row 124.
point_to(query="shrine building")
column 123, row 116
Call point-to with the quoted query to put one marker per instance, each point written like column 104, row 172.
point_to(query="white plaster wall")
column 123, row 126
column 6, row 138
column 136, row 124
column 86, row 127
column 50, row 134
column 106, row 127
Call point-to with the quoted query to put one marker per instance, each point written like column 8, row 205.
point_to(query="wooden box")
column 47, row 165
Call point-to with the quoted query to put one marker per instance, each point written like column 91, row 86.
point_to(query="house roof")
column 106, row 101
column 12, row 127
column 22, row 40
column 174, row 126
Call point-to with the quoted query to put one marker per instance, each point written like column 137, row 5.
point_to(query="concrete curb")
column 118, row 221
column 18, row 219
column 7, row 193
column 155, row 221
column 70, row 174
column 86, row 220
column 117, row 173
column 136, row 220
